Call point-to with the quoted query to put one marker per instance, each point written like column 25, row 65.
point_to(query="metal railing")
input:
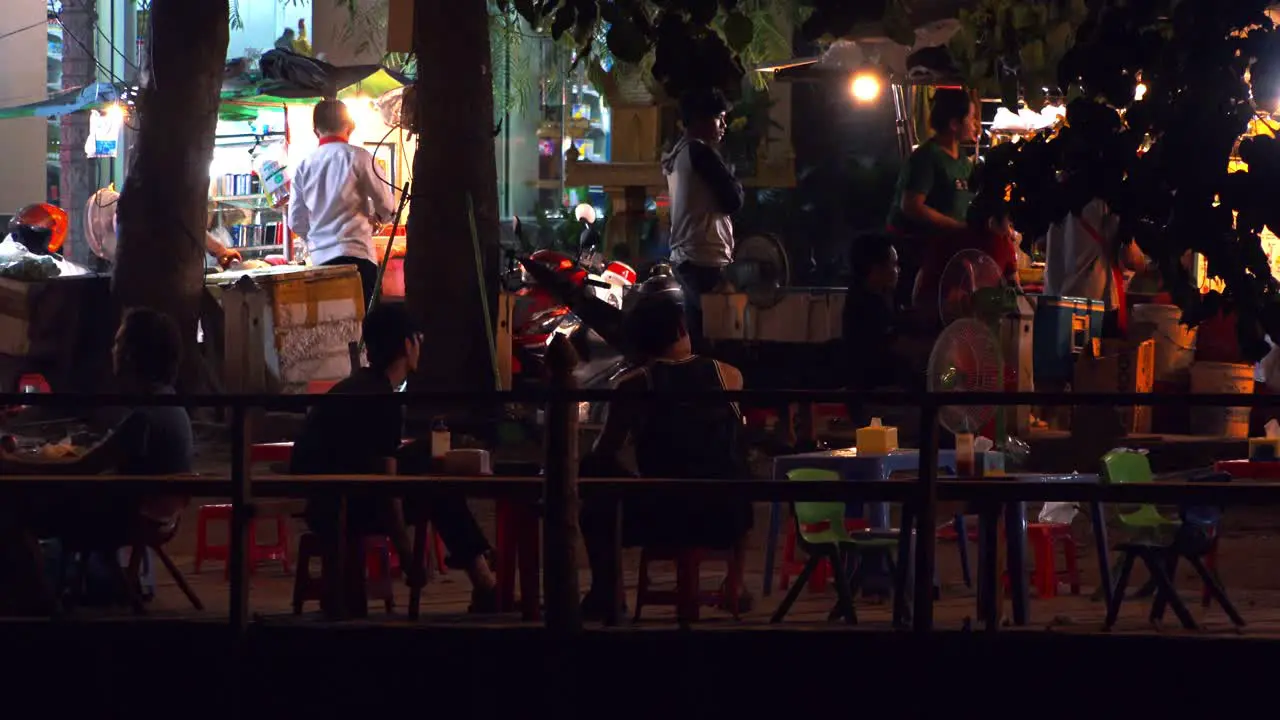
column 560, row 487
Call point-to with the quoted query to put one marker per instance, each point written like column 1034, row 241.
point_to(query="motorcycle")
column 542, row 281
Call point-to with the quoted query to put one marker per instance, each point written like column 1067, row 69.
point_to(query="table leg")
column 508, row 541
column 905, row 581
column 335, row 568
column 1015, row 523
column 420, row 540
column 613, row 569
column 530, row 563
column 988, row 567
column 771, row 546
column 1099, row 523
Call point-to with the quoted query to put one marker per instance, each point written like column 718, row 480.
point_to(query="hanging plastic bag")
column 1058, row 513
column 1269, row 369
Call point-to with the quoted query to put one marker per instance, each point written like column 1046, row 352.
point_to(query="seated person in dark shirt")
column 339, row 440
column 671, row 440
column 880, row 352
column 989, row 231
column 149, row 441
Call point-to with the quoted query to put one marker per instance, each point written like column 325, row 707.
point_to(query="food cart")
column 267, row 325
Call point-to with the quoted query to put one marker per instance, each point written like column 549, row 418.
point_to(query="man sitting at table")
column 149, row 441
column 671, row 440
column 880, row 350
column 358, row 440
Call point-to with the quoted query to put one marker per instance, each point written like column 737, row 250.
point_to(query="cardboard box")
column 1119, row 366
column 724, row 316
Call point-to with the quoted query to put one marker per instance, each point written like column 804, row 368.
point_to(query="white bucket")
column 1221, row 378
column 1175, row 342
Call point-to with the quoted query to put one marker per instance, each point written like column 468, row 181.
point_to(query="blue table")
column 858, row 468
column 1015, row 518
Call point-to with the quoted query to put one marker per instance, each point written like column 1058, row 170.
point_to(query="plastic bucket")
column 1175, row 342
column 1213, row 378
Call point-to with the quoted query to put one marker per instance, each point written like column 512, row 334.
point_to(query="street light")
column 866, row 86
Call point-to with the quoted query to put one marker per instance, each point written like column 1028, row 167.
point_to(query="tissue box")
column 467, row 462
column 1264, row 449
column 877, row 440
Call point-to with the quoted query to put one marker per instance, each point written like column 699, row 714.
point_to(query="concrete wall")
column 23, row 68
column 265, row 20
column 345, row 41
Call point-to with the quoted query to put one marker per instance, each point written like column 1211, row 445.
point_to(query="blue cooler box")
column 1063, row 325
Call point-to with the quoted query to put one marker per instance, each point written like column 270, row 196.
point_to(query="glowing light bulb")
column 1140, row 91
column 865, row 87
column 115, row 111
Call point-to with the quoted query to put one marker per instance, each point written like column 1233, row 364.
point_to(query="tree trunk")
column 164, row 204
column 454, row 162
column 77, row 171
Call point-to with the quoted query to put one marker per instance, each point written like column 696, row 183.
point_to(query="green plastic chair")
column 1126, row 467
column 821, row 533
column 1157, row 548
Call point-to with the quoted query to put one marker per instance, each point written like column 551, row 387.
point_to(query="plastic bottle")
column 965, row 465
column 441, row 440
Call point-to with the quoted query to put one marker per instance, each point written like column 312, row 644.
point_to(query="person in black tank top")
column 672, row 439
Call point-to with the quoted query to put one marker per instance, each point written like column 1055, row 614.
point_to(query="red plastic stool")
column 517, row 551
column 436, row 562
column 377, row 559
column 688, row 596
column 1043, row 539
column 793, row 566
column 205, row 551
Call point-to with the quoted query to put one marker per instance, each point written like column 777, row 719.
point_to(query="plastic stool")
column 1043, row 539
column 436, row 562
column 377, row 559
column 688, row 596
column 205, row 551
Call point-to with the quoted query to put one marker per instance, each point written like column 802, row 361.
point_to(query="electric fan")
column 965, row 358
column 761, row 269
column 396, row 107
column 971, row 285
column 100, row 222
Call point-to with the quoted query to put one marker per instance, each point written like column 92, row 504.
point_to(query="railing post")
column 926, row 516
column 241, row 516
column 560, row 538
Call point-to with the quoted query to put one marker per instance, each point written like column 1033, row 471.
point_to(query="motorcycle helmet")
column 658, row 286
column 619, row 273
column 40, row 227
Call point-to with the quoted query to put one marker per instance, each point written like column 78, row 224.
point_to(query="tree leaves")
column 626, row 42
column 562, row 21
column 739, row 30
column 1159, row 163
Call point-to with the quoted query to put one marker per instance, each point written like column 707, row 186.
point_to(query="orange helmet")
column 44, row 216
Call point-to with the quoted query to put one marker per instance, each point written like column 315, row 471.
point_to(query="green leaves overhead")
column 1161, row 163
column 739, row 30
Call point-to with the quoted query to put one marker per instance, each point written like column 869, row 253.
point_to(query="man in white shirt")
column 1081, row 260
column 338, row 196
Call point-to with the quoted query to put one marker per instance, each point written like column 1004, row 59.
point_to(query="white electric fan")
column 965, row 358
column 100, row 222
column 971, row 285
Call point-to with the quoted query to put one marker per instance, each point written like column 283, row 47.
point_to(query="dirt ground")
column 1249, row 552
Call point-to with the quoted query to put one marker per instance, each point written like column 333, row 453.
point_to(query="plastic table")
column 858, row 468
column 1250, row 469
column 1015, row 518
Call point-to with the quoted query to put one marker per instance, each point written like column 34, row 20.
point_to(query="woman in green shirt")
column 933, row 195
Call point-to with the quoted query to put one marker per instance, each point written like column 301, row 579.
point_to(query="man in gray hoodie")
column 704, row 193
